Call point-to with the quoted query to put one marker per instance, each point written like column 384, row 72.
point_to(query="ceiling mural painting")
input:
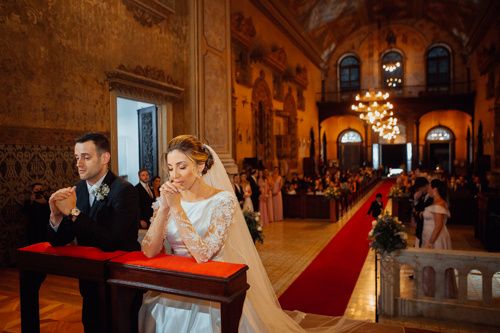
column 330, row 22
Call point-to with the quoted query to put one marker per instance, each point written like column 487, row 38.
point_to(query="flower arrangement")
column 396, row 192
column 253, row 222
column 387, row 235
column 332, row 192
column 101, row 192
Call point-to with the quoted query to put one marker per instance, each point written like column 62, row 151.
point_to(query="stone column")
column 211, row 77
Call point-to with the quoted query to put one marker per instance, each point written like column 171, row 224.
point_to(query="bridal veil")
column 262, row 311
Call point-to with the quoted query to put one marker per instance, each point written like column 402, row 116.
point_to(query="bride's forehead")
column 177, row 156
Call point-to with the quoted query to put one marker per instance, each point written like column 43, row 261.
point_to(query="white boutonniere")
column 102, row 192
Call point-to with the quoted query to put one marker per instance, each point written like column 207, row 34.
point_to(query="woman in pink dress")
column 264, row 192
column 277, row 199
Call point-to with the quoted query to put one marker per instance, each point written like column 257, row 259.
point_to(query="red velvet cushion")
column 85, row 252
column 180, row 264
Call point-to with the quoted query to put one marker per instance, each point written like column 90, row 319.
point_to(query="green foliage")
column 253, row 222
column 332, row 192
column 387, row 235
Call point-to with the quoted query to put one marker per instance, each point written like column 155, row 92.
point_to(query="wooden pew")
column 117, row 272
column 35, row 261
column 214, row 281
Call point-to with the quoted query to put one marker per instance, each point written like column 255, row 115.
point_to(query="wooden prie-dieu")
column 117, row 272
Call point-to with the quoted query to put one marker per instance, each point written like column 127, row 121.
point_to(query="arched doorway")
column 440, row 148
column 263, row 122
column 350, row 149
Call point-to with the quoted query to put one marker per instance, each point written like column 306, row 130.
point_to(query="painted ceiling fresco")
column 329, row 22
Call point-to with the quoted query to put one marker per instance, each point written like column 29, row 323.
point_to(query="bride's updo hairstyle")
column 194, row 149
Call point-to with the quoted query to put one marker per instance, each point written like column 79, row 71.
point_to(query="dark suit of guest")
column 418, row 208
column 239, row 194
column 109, row 224
column 376, row 208
column 255, row 193
column 145, row 202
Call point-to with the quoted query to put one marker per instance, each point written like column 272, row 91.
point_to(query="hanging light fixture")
column 377, row 111
column 372, row 105
column 387, row 128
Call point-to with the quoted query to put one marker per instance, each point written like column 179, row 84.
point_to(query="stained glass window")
column 350, row 137
column 439, row 134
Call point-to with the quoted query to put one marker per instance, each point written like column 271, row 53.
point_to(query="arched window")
column 439, row 134
column 350, row 137
column 349, row 74
column 392, row 70
column 438, row 68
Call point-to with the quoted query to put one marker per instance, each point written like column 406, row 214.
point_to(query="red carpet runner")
column 326, row 285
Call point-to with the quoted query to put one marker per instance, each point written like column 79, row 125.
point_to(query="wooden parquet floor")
column 60, row 304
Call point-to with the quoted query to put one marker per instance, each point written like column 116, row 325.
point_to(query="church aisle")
column 326, row 284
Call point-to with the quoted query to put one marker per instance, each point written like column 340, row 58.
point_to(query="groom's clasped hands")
column 62, row 202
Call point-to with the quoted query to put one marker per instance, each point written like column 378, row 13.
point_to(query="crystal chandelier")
column 377, row 111
column 373, row 106
column 387, row 128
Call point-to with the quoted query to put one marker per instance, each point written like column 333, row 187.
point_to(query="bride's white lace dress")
column 168, row 313
column 215, row 229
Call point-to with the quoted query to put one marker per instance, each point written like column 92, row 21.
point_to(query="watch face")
column 75, row 212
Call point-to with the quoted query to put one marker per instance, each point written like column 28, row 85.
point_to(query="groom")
column 101, row 211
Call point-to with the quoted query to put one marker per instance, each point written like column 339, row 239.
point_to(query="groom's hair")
column 101, row 142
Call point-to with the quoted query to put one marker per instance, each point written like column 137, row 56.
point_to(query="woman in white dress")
column 200, row 217
column 247, row 193
column 435, row 236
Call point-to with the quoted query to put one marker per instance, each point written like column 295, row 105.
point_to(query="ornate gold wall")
column 273, row 51
column 54, row 59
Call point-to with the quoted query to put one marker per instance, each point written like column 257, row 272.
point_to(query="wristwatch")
column 73, row 213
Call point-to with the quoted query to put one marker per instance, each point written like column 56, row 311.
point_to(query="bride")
column 198, row 215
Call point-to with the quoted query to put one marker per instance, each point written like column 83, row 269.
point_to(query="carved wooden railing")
column 116, row 272
column 392, row 303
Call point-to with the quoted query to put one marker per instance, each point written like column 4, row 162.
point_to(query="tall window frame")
column 438, row 68
column 349, row 73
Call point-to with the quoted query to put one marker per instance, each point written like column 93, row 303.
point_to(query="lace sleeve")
column 152, row 243
column 206, row 247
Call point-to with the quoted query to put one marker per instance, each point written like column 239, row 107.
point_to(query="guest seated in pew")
column 100, row 211
column 199, row 216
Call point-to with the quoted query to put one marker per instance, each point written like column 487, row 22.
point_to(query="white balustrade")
column 392, row 303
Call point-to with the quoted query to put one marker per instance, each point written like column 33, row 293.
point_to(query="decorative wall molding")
column 262, row 109
column 242, row 29
column 144, row 82
column 486, row 57
column 276, row 60
column 301, row 76
column 283, row 18
column 150, row 12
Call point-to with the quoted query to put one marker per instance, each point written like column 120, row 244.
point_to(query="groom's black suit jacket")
column 255, row 193
column 110, row 224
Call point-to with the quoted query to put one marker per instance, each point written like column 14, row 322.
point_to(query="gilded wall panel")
column 216, row 108
column 215, row 23
column 59, row 51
